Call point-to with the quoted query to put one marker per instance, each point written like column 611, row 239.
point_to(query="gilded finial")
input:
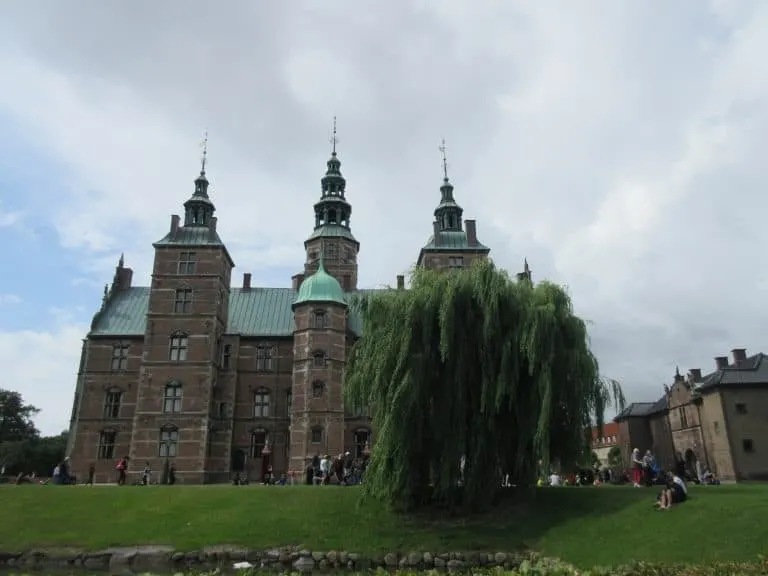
column 204, row 159
column 443, row 150
column 334, row 139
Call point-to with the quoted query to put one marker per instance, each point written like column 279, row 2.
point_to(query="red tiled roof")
column 610, row 430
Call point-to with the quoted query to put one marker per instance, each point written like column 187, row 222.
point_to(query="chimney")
column 471, row 232
column 296, row 281
column 695, row 374
column 400, row 282
column 247, row 281
column 739, row 355
column 175, row 221
column 721, row 362
column 436, row 230
column 123, row 279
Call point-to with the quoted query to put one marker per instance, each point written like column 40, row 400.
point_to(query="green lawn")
column 585, row 526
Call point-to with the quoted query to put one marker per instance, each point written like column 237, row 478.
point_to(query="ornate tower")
column 451, row 245
column 187, row 314
column 319, row 356
column 332, row 235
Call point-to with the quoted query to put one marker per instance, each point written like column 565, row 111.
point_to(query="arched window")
column 261, row 401
column 317, row 435
column 259, row 439
column 169, row 442
column 179, row 347
column 362, row 438
column 319, row 320
column 172, row 397
column 318, row 389
column 319, row 359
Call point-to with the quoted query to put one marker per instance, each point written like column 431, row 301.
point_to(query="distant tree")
column 595, row 463
column 615, row 459
column 39, row 455
column 472, row 375
column 16, row 418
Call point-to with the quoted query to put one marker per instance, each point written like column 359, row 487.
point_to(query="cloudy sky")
column 616, row 145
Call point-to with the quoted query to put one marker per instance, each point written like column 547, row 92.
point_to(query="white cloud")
column 42, row 366
column 10, row 299
column 619, row 146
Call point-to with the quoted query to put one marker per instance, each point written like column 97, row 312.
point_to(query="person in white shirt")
column 325, row 469
column 554, row 480
column 676, row 492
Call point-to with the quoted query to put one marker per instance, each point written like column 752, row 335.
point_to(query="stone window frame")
column 256, row 446
column 261, row 402
column 178, row 346
column 113, row 401
column 187, row 263
column 318, row 389
column 319, row 319
column 183, row 299
column 168, row 441
column 456, row 262
column 316, row 434
column 357, row 446
column 173, row 397
column 225, row 356
column 266, row 356
column 106, row 448
column 319, row 358
column 120, row 352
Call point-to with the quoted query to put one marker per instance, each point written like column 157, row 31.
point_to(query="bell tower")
column 332, row 235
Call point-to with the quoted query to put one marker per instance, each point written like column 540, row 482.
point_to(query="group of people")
column 345, row 469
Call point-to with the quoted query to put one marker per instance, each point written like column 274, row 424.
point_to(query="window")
column 120, row 356
column 107, row 445
column 319, row 359
column 362, row 437
column 112, row 404
column 258, row 442
column 221, row 409
column 172, row 398
column 455, row 262
column 318, row 389
column 319, row 320
column 179, row 347
column 741, row 408
column 183, row 303
column 261, row 403
column 187, row 263
column 317, row 435
column 716, row 426
column 169, row 442
column 747, row 445
column 226, row 357
column 264, row 358
column 331, row 252
column 289, row 400
column 683, row 417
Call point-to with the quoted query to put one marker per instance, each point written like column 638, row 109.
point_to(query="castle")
column 219, row 380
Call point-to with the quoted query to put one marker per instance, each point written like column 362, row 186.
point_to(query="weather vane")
column 204, row 159
column 334, row 139
column 445, row 160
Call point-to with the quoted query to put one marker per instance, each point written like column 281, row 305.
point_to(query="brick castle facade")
column 219, row 380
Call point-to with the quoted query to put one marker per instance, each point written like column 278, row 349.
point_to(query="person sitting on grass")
column 675, row 492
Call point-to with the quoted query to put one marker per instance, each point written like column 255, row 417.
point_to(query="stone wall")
column 164, row 559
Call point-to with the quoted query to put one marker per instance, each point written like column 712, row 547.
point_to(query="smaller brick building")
column 718, row 421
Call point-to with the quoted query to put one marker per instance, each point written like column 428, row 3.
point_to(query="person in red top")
column 122, row 466
column 637, row 468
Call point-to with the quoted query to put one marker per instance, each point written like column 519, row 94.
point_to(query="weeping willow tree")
column 472, row 375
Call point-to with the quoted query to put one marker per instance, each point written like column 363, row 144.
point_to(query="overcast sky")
column 619, row 146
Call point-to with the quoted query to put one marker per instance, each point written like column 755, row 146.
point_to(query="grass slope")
column 585, row 526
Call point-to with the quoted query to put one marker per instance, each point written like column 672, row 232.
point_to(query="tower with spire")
column 186, row 318
column 452, row 245
column 332, row 234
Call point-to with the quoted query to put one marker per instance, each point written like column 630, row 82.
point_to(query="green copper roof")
column 256, row 312
column 332, row 231
column 321, row 287
column 454, row 241
column 191, row 236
